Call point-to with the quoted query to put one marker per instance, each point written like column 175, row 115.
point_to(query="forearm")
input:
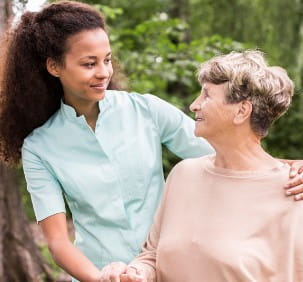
column 68, row 257
column 145, row 262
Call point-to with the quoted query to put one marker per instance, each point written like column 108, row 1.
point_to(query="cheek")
column 203, row 105
column 209, row 108
column 110, row 70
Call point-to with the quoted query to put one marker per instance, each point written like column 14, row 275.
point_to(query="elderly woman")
column 223, row 217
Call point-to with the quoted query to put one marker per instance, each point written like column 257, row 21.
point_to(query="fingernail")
column 288, row 193
column 298, row 197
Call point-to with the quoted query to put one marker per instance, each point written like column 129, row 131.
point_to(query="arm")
column 143, row 267
column 49, row 207
column 176, row 129
column 65, row 254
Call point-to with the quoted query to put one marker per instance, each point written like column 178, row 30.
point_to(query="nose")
column 102, row 71
column 195, row 106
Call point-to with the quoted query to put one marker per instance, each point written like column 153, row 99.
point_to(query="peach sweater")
column 221, row 225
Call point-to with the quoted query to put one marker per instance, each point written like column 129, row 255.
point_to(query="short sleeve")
column 176, row 129
column 45, row 191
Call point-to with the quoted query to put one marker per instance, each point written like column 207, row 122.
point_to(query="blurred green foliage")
column 160, row 43
column 56, row 270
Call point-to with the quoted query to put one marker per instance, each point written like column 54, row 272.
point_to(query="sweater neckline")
column 211, row 168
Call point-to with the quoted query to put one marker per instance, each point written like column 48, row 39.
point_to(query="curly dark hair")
column 29, row 94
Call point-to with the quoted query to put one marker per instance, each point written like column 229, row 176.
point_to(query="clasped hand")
column 120, row 272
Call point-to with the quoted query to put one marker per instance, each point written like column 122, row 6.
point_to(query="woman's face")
column 214, row 116
column 87, row 68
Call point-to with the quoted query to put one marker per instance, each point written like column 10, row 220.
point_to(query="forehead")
column 213, row 88
column 88, row 42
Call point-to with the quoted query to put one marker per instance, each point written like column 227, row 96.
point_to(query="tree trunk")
column 5, row 14
column 299, row 70
column 180, row 9
column 20, row 258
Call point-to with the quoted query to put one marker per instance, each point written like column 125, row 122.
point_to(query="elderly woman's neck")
column 243, row 154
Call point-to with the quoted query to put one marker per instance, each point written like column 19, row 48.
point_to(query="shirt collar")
column 70, row 113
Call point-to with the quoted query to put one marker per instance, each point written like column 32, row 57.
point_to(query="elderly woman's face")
column 214, row 116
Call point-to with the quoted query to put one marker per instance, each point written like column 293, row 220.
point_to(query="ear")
column 243, row 112
column 52, row 67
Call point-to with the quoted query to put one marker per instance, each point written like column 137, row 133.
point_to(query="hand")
column 295, row 184
column 112, row 272
column 133, row 275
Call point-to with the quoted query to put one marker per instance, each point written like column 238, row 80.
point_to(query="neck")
column 89, row 110
column 243, row 153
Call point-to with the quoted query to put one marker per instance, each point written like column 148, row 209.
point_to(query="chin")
column 197, row 133
column 99, row 97
column 200, row 134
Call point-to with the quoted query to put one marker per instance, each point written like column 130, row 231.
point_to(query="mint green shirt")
column 112, row 178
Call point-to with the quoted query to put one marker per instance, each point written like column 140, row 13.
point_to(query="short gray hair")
column 249, row 77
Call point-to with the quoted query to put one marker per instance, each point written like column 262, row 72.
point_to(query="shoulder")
column 149, row 104
column 135, row 99
column 188, row 167
column 190, row 163
column 43, row 131
column 123, row 97
column 186, row 164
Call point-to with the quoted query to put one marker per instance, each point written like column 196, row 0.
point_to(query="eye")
column 107, row 60
column 204, row 95
column 89, row 65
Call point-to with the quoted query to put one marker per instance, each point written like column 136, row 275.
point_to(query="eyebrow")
column 95, row 57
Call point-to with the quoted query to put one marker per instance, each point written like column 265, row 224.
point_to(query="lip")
column 199, row 118
column 99, row 86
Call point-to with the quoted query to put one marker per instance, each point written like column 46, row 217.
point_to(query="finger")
column 114, row 277
column 112, row 272
column 292, row 172
column 133, row 275
column 131, row 270
column 116, row 269
column 103, row 275
column 295, row 190
column 131, row 278
column 125, row 278
column 298, row 180
column 296, row 168
column 299, row 197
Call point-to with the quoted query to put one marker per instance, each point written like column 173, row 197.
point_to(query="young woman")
column 100, row 149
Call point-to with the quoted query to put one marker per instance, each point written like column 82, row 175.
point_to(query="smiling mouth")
column 99, row 86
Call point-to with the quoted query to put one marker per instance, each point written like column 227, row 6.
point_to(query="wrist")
column 93, row 277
